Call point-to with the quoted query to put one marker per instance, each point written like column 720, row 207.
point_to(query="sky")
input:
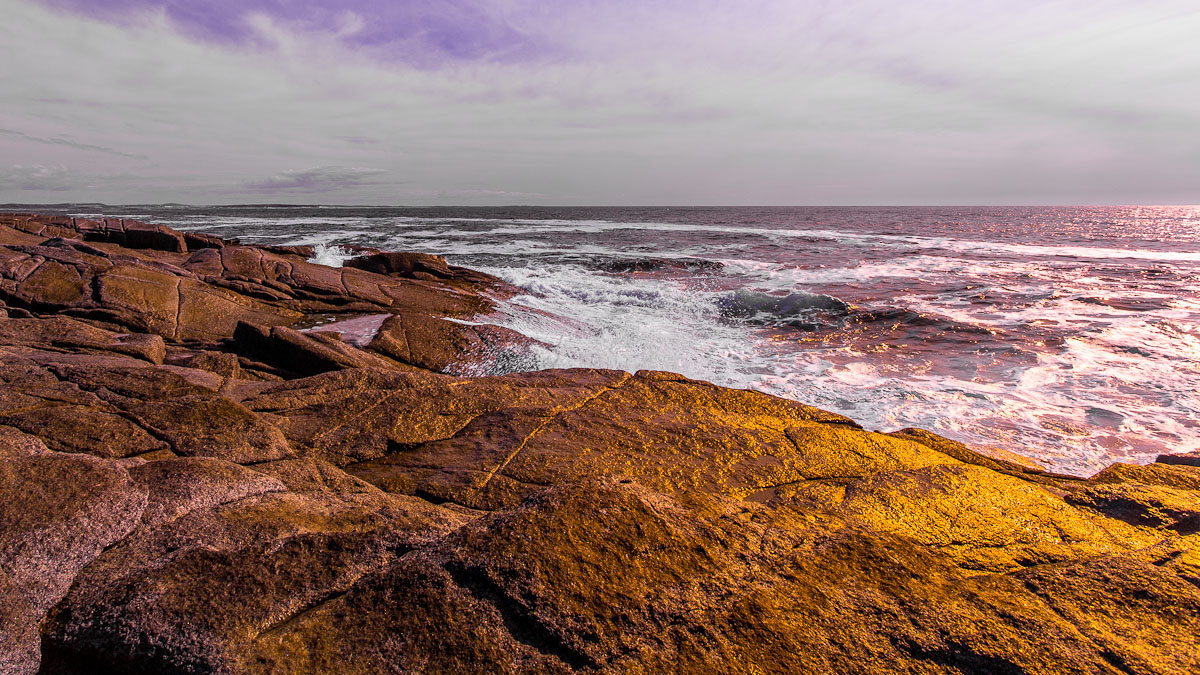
column 594, row 102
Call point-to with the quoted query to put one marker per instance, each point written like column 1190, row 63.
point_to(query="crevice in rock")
column 150, row 430
column 436, row 500
column 522, row 625
column 178, row 307
column 399, row 448
column 558, row 413
column 960, row 657
column 408, row 351
column 305, row 610
column 1169, row 558
column 1116, row 661
column 1113, row 659
column 342, row 281
column 457, row 432
column 383, row 399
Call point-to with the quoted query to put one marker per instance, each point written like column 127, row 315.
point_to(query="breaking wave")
column 1071, row 335
column 330, row 255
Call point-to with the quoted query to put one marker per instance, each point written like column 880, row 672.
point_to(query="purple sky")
column 589, row 102
column 426, row 33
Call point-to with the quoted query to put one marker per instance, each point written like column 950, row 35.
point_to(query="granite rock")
column 200, row 474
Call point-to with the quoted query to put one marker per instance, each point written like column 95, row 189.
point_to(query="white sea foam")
column 1047, row 409
column 1063, row 352
column 973, row 247
column 628, row 324
column 330, row 255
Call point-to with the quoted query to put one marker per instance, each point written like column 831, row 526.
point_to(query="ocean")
column 1070, row 335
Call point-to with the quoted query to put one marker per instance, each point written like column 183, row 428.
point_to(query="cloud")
column 67, row 142
column 412, row 31
column 316, row 180
column 38, row 178
column 481, row 196
column 756, row 101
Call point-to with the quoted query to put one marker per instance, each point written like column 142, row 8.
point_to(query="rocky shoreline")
column 222, row 458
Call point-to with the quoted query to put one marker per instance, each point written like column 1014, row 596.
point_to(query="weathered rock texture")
column 191, row 482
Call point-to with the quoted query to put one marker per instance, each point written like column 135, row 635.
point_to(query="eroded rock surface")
column 196, row 477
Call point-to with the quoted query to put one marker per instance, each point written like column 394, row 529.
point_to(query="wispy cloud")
column 316, row 180
column 67, row 142
column 626, row 101
column 38, row 178
column 414, row 31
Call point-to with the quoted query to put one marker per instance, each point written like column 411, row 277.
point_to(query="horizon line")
column 58, row 205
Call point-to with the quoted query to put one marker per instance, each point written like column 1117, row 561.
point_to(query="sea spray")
column 1065, row 333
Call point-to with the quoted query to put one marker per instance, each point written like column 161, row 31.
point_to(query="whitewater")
column 1070, row 335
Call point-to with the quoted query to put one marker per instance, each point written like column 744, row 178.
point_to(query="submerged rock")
column 625, row 265
column 193, row 481
column 799, row 309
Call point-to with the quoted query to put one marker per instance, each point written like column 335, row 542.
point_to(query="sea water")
column 1069, row 335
